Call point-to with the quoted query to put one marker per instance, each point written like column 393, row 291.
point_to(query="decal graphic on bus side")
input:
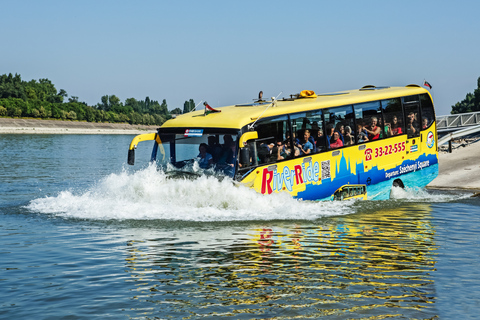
column 301, row 174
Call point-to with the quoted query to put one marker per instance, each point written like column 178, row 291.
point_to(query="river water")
column 84, row 236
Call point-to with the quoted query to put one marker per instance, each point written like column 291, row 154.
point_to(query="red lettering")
column 267, row 181
column 298, row 174
column 368, row 154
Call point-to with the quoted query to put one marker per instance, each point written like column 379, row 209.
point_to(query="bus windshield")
column 198, row 151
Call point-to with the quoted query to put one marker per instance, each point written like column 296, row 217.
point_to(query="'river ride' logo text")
column 273, row 180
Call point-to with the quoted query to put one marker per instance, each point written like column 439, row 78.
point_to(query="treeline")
column 40, row 99
column 471, row 103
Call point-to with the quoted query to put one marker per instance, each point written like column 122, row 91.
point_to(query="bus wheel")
column 398, row 183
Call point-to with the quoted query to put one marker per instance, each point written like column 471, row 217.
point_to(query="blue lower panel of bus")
column 413, row 173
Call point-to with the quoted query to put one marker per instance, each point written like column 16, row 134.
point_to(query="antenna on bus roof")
column 274, row 102
column 196, row 106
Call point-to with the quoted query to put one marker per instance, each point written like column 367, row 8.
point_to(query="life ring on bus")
column 398, row 183
column 307, row 94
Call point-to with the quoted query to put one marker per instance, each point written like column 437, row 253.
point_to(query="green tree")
column 188, row 106
column 176, row 111
column 471, row 102
column 71, row 115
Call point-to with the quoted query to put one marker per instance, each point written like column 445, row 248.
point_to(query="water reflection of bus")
column 308, row 145
column 379, row 263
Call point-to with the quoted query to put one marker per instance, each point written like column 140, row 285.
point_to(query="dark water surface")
column 84, row 237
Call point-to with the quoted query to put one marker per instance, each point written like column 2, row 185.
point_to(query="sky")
column 225, row 52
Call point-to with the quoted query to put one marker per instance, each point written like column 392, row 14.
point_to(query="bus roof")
column 238, row 116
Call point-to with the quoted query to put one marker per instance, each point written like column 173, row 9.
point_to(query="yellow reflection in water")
column 375, row 263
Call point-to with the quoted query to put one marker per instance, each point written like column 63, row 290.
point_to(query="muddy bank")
column 35, row 126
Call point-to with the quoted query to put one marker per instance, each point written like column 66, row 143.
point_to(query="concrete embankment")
column 459, row 169
column 34, row 126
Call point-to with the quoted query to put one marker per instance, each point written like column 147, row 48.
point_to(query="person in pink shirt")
column 336, row 141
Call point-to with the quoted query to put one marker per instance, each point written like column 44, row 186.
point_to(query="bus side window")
column 308, row 125
column 369, row 121
column 393, row 115
column 271, row 144
column 412, row 118
column 428, row 114
column 339, row 124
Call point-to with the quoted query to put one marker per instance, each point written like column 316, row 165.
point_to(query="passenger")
column 227, row 162
column 340, row 128
column 321, row 141
column 383, row 128
column 296, row 141
column 373, row 130
column 314, row 144
column 226, row 141
column 336, row 142
column 307, row 146
column 361, row 134
column 297, row 151
column 214, row 148
column 349, row 140
column 265, row 152
column 204, row 158
column 282, row 151
column 412, row 128
column 394, row 128
column 424, row 123
column 330, row 131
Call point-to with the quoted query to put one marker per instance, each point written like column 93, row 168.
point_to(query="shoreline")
column 38, row 126
column 459, row 170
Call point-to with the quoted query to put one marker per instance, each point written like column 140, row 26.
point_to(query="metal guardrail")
column 457, row 121
column 458, row 134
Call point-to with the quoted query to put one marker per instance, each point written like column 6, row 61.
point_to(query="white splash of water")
column 423, row 195
column 150, row 194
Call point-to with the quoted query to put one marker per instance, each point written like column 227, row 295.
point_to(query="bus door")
column 411, row 107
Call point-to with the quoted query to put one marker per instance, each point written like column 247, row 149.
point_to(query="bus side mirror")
column 131, row 157
column 245, row 156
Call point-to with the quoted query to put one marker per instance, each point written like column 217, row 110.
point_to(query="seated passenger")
column 340, row 128
column 383, row 128
column 226, row 142
column 297, row 151
column 336, row 141
column 228, row 160
column 330, row 130
column 349, row 140
column 412, row 128
column 214, row 148
column 373, row 130
column 307, row 146
column 204, row 158
column 424, row 123
column 394, row 128
column 321, row 144
column 282, row 151
column 265, row 152
column 361, row 134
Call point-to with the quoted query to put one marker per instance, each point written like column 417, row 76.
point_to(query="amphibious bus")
column 349, row 144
